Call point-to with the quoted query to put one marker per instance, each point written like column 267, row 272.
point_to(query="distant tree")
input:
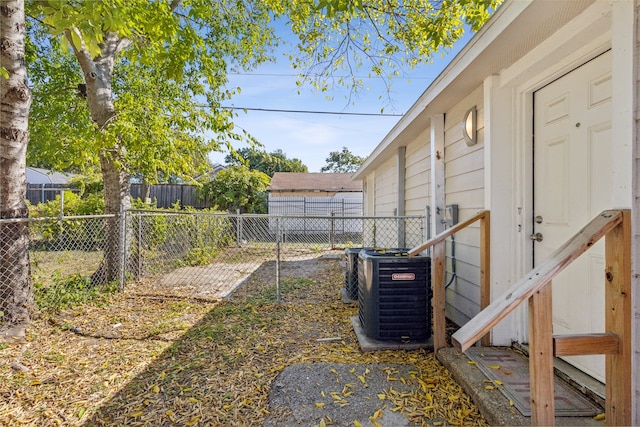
column 342, row 162
column 268, row 163
column 238, row 187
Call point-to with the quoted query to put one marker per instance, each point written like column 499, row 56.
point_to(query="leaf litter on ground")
column 173, row 361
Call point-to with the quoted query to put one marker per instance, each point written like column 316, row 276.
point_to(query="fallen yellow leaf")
column 193, row 421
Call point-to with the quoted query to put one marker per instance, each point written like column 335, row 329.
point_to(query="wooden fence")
column 165, row 195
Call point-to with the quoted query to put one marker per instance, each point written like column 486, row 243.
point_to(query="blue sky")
column 311, row 137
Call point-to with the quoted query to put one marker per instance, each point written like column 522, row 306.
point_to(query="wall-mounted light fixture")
column 470, row 126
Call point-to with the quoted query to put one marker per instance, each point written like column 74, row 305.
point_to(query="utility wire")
column 297, row 75
column 337, row 113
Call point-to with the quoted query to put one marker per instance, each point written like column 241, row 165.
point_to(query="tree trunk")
column 145, row 191
column 98, row 74
column 117, row 201
column 15, row 100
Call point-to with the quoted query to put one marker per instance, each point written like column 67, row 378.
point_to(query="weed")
column 54, row 357
column 287, row 286
column 200, row 256
column 71, row 292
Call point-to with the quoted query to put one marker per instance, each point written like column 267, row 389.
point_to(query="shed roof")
column 298, row 181
column 45, row 176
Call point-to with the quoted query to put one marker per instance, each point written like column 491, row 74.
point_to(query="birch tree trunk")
column 98, row 74
column 15, row 100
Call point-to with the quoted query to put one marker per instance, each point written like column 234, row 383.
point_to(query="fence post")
column 61, row 204
column 332, row 229
column 139, row 245
column 239, row 228
column 402, row 231
column 123, row 250
column 278, row 235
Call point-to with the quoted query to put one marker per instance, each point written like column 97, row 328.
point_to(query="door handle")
column 536, row 237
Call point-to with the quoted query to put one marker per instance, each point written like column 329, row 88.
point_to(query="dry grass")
column 171, row 361
column 46, row 266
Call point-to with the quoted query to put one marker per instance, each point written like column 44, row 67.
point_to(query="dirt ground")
column 146, row 358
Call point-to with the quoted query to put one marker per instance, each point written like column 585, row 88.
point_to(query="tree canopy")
column 144, row 70
column 381, row 37
column 238, row 188
column 161, row 87
column 268, row 163
column 343, row 161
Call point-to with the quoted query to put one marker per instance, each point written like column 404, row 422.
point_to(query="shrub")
column 71, row 291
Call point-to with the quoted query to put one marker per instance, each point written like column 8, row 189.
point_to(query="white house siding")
column 386, row 196
column 418, row 175
column 464, row 186
column 369, row 193
column 386, row 188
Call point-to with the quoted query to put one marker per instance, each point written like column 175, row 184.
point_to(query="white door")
column 572, row 184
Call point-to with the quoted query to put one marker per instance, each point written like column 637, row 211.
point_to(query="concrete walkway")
column 493, row 404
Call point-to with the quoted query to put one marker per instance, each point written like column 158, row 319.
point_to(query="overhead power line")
column 298, row 75
column 336, row 113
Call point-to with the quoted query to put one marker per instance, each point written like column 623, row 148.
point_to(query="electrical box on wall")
column 450, row 215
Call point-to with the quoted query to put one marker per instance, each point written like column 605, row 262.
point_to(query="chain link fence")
column 74, row 260
column 66, row 262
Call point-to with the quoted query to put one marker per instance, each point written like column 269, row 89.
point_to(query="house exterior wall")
column 369, row 196
column 386, row 188
column 464, row 186
column 497, row 173
column 385, row 198
column 417, row 173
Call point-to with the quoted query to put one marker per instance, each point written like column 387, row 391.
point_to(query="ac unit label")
column 403, row 276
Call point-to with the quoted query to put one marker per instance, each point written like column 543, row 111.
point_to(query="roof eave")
column 460, row 67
